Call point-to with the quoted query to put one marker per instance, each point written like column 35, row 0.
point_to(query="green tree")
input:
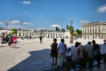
column 14, row 31
column 63, row 30
column 79, row 32
column 58, row 29
column 71, row 28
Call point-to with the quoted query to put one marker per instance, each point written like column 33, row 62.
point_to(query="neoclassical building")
column 54, row 34
column 43, row 33
column 27, row 33
column 94, row 30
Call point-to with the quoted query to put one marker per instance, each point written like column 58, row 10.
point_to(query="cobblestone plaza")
column 32, row 56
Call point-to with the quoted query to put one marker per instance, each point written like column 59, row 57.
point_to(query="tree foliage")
column 63, row 30
column 57, row 29
column 79, row 32
column 14, row 31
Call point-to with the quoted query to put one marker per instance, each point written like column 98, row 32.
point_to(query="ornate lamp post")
column 6, row 23
column 71, row 31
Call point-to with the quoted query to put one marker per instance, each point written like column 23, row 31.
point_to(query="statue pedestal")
column 67, row 34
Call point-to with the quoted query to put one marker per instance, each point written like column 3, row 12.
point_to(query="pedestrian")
column 69, row 52
column 96, row 52
column 40, row 39
column 68, row 60
column 14, row 41
column 61, row 52
column 75, row 54
column 7, row 39
column 82, row 55
column 89, row 54
column 1, row 41
column 10, row 40
column 54, row 52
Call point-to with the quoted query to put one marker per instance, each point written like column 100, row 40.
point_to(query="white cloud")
column 27, row 23
column 1, row 22
column 55, row 25
column 84, row 21
column 14, row 26
column 102, row 9
column 26, row 2
column 15, row 22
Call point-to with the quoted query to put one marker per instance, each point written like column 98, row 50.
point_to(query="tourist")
column 96, row 52
column 14, row 41
column 40, row 39
column 10, row 40
column 1, row 41
column 61, row 52
column 72, row 57
column 82, row 55
column 69, row 52
column 7, row 39
column 68, row 60
column 75, row 54
column 89, row 52
column 54, row 53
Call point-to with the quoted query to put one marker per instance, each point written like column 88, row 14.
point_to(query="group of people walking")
column 11, row 40
column 73, row 56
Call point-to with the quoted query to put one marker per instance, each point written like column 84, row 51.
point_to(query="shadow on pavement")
column 38, row 61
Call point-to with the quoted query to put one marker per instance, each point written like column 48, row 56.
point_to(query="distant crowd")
column 75, row 56
column 10, row 39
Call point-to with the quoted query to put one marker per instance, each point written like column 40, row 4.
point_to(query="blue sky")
column 44, row 13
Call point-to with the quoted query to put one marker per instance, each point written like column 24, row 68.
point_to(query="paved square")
column 30, row 56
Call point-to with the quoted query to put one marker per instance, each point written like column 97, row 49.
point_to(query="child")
column 68, row 60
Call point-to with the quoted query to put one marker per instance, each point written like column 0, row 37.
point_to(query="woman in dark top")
column 96, row 52
column 54, row 53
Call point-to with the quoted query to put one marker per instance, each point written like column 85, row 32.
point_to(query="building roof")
column 94, row 23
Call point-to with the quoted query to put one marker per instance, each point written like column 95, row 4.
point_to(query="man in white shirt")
column 75, row 55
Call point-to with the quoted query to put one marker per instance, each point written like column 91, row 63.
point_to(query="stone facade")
column 94, row 30
column 43, row 33
column 26, row 33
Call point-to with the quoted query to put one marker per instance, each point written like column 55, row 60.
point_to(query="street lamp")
column 6, row 23
column 71, row 31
